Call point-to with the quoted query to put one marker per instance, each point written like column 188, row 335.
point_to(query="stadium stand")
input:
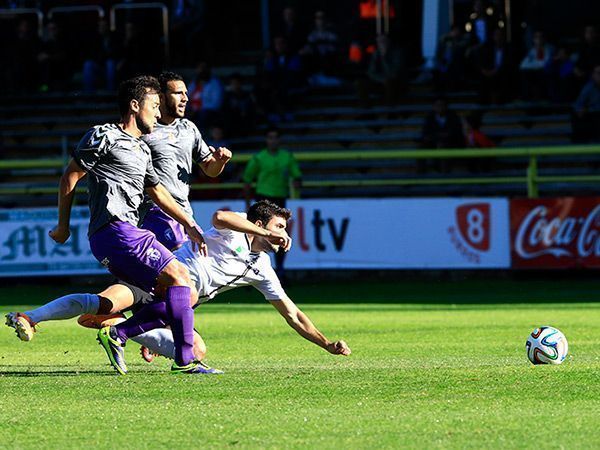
column 318, row 115
column 50, row 125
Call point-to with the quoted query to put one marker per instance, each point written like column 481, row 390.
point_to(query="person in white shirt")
column 238, row 246
column 532, row 68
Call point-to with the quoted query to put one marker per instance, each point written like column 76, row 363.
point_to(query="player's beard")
column 143, row 126
column 173, row 110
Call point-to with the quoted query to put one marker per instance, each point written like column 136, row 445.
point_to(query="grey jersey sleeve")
column 151, row 179
column 200, row 151
column 91, row 148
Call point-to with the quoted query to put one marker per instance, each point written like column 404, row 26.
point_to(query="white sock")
column 72, row 305
column 159, row 340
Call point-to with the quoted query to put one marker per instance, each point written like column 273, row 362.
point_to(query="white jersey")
column 230, row 264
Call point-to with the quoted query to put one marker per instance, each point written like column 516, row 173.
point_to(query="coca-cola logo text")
column 538, row 234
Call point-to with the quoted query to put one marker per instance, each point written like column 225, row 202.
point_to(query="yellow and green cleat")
column 113, row 348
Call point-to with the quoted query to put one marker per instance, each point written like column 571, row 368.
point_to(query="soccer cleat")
column 195, row 368
column 148, row 354
column 113, row 349
column 24, row 327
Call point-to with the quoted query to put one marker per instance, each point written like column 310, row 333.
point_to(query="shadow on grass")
column 54, row 373
column 21, row 370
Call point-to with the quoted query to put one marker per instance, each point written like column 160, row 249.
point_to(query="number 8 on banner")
column 474, row 224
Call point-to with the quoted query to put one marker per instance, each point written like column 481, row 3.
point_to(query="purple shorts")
column 130, row 253
column 167, row 230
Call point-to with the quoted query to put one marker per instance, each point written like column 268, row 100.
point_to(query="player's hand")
column 222, row 154
column 60, row 234
column 198, row 243
column 280, row 238
column 339, row 348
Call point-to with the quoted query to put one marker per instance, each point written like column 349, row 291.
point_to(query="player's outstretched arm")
column 235, row 222
column 214, row 164
column 305, row 328
column 167, row 203
column 66, row 191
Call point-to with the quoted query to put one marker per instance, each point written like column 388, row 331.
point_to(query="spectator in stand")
column 53, row 60
column 586, row 116
column 217, row 136
column 532, row 68
column 588, row 54
column 386, row 74
column 442, row 128
column 496, row 66
column 187, row 30
column 22, row 54
column 475, row 138
column 231, row 172
column 560, row 76
column 322, row 53
column 206, row 97
column 292, row 30
column 238, row 108
column 273, row 168
column 133, row 54
column 280, row 81
column 481, row 22
column 449, row 72
column 100, row 61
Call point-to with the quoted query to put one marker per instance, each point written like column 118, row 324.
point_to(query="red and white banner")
column 555, row 233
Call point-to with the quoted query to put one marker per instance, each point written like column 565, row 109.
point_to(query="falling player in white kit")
column 237, row 256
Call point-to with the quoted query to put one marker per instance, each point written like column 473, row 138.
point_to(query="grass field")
column 421, row 375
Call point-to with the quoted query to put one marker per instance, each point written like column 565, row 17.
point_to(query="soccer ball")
column 547, row 345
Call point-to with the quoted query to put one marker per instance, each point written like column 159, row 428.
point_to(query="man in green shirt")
column 272, row 168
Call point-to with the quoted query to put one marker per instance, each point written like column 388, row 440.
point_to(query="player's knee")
column 175, row 274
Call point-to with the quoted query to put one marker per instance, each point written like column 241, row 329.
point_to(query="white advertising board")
column 347, row 233
column 26, row 248
column 400, row 234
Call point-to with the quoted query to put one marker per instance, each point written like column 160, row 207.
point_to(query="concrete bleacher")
column 50, row 125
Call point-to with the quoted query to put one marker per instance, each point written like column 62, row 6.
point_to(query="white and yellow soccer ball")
column 547, row 345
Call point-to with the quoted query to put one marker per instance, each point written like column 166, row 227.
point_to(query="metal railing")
column 11, row 13
column 530, row 178
column 76, row 9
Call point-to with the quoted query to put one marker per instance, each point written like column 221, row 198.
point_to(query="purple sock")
column 151, row 316
column 181, row 320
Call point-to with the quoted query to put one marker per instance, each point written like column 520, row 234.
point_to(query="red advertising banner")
column 555, row 233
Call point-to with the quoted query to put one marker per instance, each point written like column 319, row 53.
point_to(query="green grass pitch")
column 420, row 376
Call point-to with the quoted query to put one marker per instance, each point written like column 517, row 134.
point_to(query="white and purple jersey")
column 175, row 148
column 119, row 168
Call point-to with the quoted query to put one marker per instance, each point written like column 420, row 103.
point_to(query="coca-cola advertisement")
column 555, row 233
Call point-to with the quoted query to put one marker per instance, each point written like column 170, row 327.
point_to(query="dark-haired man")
column 237, row 256
column 176, row 144
column 120, row 170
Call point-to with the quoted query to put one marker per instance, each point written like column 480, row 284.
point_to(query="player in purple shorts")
column 119, row 170
column 175, row 145
column 238, row 244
